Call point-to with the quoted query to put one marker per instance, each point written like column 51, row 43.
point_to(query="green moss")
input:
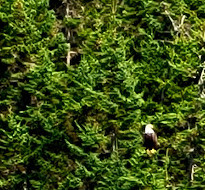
column 80, row 126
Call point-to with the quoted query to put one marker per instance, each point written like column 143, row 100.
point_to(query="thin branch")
column 69, row 56
column 172, row 21
column 201, row 83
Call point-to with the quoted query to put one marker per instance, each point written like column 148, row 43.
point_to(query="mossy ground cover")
column 78, row 123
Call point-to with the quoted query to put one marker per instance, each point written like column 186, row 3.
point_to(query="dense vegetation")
column 80, row 80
